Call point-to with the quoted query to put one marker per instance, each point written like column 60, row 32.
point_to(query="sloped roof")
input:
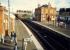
column 45, row 5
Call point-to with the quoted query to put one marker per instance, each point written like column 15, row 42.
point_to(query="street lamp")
column 8, row 16
column 65, row 17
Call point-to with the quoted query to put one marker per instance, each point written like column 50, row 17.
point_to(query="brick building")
column 45, row 13
column 4, row 21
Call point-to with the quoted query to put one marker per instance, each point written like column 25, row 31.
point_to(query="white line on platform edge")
column 37, row 44
column 52, row 29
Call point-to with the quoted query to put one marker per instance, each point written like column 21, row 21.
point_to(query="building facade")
column 24, row 14
column 64, row 12
column 64, row 15
column 4, row 22
column 45, row 13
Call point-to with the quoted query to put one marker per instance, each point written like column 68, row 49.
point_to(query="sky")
column 32, row 4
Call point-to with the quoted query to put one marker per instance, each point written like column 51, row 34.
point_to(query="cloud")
column 32, row 4
column 63, row 3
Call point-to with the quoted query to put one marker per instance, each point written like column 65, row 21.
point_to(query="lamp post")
column 8, row 17
column 65, row 18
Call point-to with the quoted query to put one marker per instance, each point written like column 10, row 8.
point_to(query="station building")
column 4, row 22
column 45, row 13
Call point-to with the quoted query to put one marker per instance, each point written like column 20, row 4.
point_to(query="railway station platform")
column 22, row 34
column 23, row 39
column 61, row 30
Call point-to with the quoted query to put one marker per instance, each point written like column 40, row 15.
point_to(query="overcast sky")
column 32, row 4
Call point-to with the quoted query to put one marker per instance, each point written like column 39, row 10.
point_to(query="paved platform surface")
column 22, row 34
column 6, row 47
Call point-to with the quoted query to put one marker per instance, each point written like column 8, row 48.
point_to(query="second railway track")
column 49, row 39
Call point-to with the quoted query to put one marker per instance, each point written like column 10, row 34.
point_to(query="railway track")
column 49, row 39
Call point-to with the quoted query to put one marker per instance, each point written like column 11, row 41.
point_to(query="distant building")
column 45, row 13
column 24, row 14
column 64, row 12
column 64, row 15
column 4, row 21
